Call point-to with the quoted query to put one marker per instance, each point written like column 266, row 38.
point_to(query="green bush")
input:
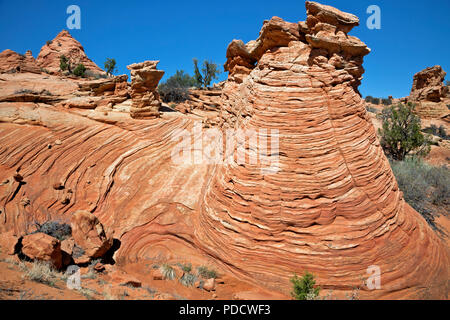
column 423, row 185
column 175, row 89
column 304, row 288
column 209, row 72
column 79, row 70
column 401, row 133
column 64, row 63
column 206, row 273
column 110, row 66
column 386, row 101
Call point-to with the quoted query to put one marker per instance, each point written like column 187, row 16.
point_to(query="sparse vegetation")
column 206, row 273
column 423, row 185
column 401, row 133
column 372, row 100
column 64, row 63
column 437, row 131
column 167, row 271
column 371, row 109
column 110, row 66
column 55, row 229
column 175, row 89
column 79, row 70
column 49, row 42
column 304, row 288
column 41, row 272
column 386, row 101
column 209, row 72
column 25, row 91
column 188, row 279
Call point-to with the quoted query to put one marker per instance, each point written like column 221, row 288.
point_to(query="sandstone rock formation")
column 428, row 85
column 334, row 195
column 11, row 61
column 144, row 81
column 40, row 246
column 332, row 207
column 89, row 234
column 429, row 93
column 64, row 44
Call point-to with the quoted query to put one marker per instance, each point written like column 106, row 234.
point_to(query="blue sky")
column 413, row 34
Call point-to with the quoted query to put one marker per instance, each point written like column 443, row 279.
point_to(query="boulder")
column 88, row 233
column 42, row 247
column 9, row 242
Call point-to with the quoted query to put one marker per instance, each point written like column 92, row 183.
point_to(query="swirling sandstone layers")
column 334, row 207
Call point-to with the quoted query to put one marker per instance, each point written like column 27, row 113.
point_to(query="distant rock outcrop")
column 144, row 81
column 64, row 44
column 11, row 61
column 429, row 93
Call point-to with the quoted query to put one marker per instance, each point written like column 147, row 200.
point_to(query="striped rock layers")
column 144, row 81
column 334, row 207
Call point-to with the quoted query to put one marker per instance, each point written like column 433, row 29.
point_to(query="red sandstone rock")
column 210, row 284
column 40, row 246
column 8, row 242
column 64, row 44
column 11, row 61
column 89, row 234
column 144, row 81
column 124, row 279
column 428, row 85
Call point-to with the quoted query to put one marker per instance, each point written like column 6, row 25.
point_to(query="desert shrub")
column 42, row 272
column 188, row 279
column 386, row 101
column 92, row 74
column 400, row 134
column 79, row 70
column 64, row 63
column 372, row 100
column 167, row 272
column 186, row 267
column 49, row 42
column 25, row 91
column 447, row 83
column 304, row 288
column 175, row 89
column 110, row 66
column 55, row 229
column 422, row 185
column 437, row 131
column 209, row 72
column 206, row 273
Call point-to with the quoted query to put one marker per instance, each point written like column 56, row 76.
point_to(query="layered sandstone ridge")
column 333, row 207
column 11, row 62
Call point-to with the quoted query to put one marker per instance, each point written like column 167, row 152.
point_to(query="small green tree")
column 209, row 72
column 63, row 63
column 304, row 288
column 79, row 70
column 401, row 133
column 110, row 66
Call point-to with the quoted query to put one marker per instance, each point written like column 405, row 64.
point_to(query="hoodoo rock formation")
column 144, row 81
column 330, row 205
column 64, row 44
column 429, row 93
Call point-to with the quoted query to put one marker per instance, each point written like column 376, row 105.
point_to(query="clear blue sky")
column 413, row 35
